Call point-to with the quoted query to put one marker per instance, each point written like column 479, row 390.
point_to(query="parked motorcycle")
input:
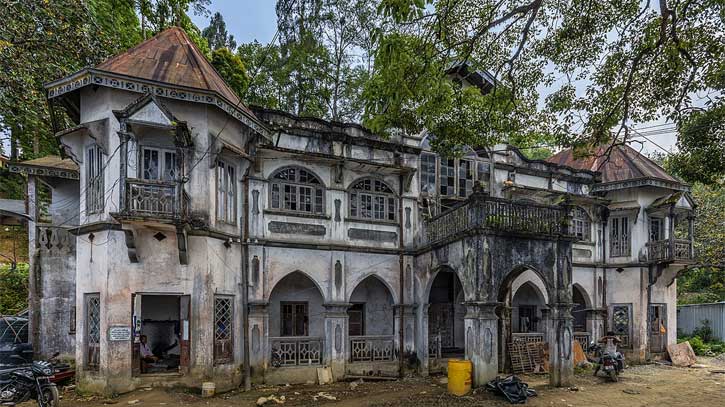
column 29, row 381
column 612, row 363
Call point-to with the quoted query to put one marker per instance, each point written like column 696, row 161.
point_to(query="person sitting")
column 610, row 348
column 146, row 354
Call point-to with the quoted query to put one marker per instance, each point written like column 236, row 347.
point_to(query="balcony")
column 160, row 200
column 498, row 214
column 662, row 251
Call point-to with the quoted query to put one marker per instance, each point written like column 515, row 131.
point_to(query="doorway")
column 657, row 328
column 445, row 316
column 161, row 334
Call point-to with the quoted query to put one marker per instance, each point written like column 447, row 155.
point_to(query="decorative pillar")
column 336, row 338
column 481, row 330
column 405, row 350
column 504, row 336
column 422, row 341
column 260, row 350
column 560, row 336
column 595, row 323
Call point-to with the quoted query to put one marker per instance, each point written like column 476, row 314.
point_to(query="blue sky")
column 247, row 20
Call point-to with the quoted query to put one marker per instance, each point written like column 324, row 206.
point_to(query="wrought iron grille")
column 434, row 346
column 296, row 351
column 93, row 323
column 531, row 337
column 152, row 198
column 223, row 328
column 582, row 338
column 621, row 323
column 372, row 348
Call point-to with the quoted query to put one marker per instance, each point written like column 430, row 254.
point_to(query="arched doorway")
column 296, row 321
column 445, row 316
column 371, row 323
column 527, row 307
column 578, row 310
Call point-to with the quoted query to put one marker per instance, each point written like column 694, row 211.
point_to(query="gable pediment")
column 152, row 113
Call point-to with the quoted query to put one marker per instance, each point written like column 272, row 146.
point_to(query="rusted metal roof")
column 622, row 164
column 51, row 161
column 171, row 57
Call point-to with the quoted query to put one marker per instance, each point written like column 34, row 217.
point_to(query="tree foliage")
column 216, row 34
column 707, row 283
column 231, row 69
column 605, row 64
column 13, row 289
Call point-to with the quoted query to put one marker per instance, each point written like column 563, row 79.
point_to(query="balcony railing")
column 296, row 351
column 372, row 348
column 498, row 214
column 530, row 337
column 434, row 346
column 660, row 250
column 583, row 338
column 158, row 199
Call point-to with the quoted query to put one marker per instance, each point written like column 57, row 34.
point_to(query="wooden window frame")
column 226, row 191
column 163, row 164
column 620, row 241
column 306, row 320
column 282, row 192
column 380, row 202
column 95, row 174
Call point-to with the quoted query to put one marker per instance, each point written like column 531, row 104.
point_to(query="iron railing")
column 372, row 348
column 161, row 199
column 529, row 337
column 660, row 250
column 583, row 338
column 483, row 211
column 434, row 346
column 296, row 350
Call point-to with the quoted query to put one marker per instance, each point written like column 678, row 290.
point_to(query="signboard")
column 119, row 333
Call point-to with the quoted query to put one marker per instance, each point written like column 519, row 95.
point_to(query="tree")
column 707, row 282
column 231, row 69
column 216, row 34
column 266, row 76
column 609, row 64
column 701, row 145
column 13, row 289
column 158, row 15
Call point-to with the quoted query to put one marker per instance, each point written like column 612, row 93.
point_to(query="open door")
column 657, row 328
column 136, row 343
column 185, row 334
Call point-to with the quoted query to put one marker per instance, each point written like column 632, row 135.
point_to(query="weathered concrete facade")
column 343, row 249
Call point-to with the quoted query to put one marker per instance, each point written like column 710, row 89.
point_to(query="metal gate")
column 440, row 322
column 657, row 328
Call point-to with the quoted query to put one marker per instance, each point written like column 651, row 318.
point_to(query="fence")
column 372, row 348
column 296, row 351
column 691, row 317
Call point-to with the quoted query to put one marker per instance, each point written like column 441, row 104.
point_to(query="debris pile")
column 512, row 388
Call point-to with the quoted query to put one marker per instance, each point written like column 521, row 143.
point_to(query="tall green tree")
column 267, row 80
column 158, row 15
column 607, row 64
column 216, row 33
column 232, row 70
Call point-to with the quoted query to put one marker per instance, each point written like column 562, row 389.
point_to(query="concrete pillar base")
column 481, row 332
column 336, row 338
column 560, row 336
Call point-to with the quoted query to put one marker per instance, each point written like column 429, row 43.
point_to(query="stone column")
column 422, row 342
column 481, row 330
column 595, row 323
column 504, row 336
column 407, row 349
column 336, row 339
column 560, row 336
column 259, row 346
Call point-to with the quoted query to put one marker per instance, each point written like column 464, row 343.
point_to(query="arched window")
column 581, row 224
column 297, row 189
column 372, row 199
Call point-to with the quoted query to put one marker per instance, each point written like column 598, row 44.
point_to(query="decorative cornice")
column 96, row 77
column 43, row 171
column 639, row 182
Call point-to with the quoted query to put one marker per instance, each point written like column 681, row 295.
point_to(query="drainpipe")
column 604, row 269
column 401, row 261
column 245, row 281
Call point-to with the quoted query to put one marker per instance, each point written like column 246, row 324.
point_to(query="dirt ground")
column 644, row 385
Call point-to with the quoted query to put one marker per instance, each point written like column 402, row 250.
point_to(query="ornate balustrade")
column 660, row 250
column 296, row 350
column 529, row 337
column 372, row 348
column 54, row 240
column 483, row 211
column 155, row 199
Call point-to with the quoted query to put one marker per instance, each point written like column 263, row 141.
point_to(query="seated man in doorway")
column 146, row 354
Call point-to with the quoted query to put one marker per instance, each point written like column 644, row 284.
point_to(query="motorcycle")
column 611, row 363
column 29, row 381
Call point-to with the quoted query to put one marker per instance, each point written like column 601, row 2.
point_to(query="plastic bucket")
column 208, row 389
column 459, row 377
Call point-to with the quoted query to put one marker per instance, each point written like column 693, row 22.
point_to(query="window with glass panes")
column 94, row 180
column 428, row 173
column 581, row 224
column 465, row 178
column 296, row 189
column 158, row 164
column 226, row 204
column 619, row 236
column 372, row 199
column 295, row 319
column 656, row 229
column 448, row 176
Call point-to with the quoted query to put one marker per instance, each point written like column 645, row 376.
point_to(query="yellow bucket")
column 459, row 377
